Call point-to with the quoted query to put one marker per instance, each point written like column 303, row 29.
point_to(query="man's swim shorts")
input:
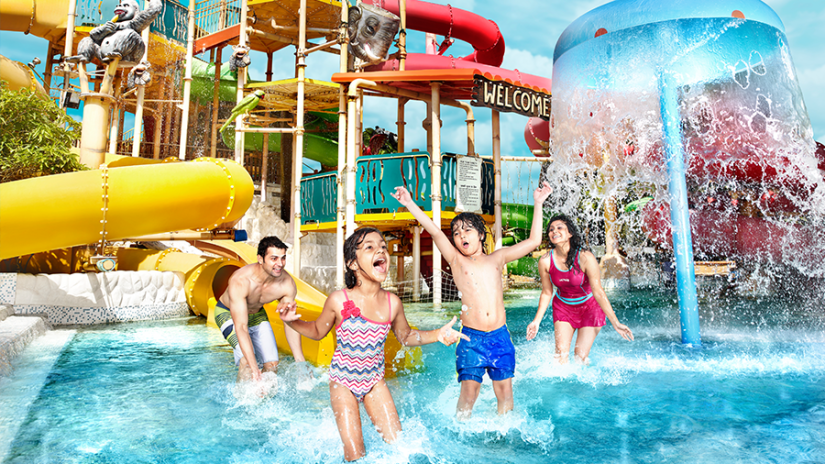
column 492, row 352
column 260, row 331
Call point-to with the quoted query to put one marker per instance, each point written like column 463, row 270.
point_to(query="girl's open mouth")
column 380, row 265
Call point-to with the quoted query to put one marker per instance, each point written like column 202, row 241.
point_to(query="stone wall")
column 90, row 298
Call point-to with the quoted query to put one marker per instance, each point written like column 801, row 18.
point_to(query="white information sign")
column 468, row 184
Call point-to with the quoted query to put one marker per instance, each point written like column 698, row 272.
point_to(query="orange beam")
column 212, row 40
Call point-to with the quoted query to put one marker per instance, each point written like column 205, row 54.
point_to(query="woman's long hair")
column 351, row 245
column 576, row 242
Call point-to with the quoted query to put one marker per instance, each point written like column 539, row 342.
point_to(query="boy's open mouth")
column 465, row 245
column 380, row 265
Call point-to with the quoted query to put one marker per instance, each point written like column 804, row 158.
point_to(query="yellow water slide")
column 42, row 18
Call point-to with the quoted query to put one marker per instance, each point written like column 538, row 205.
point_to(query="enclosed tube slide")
column 483, row 34
column 73, row 209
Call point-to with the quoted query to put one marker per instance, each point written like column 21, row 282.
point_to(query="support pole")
column 213, row 149
column 401, row 123
column 416, row 263
column 264, row 167
column 340, row 233
column 141, row 94
column 68, row 49
column 679, row 216
column 242, row 38
column 402, row 37
column 352, row 115
column 187, row 81
column 156, row 135
column 298, row 163
column 435, row 157
column 496, row 123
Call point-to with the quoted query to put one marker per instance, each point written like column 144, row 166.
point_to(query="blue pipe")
column 679, row 215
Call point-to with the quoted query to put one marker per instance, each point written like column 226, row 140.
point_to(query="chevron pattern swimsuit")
column 358, row 361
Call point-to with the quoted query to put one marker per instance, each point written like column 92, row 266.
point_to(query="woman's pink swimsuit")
column 358, row 361
column 574, row 302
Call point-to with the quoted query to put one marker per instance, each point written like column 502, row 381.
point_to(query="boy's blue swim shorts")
column 492, row 352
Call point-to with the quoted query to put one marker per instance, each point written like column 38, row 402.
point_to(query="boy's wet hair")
column 576, row 242
column 476, row 222
column 351, row 245
column 270, row 242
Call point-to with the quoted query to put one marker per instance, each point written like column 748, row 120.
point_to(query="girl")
column 362, row 315
column 580, row 302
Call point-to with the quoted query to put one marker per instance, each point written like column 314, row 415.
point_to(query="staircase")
column 16, row 332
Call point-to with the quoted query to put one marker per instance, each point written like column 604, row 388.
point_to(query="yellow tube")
column 65, row 210
column 19, row 76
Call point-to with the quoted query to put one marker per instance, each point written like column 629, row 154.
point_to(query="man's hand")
column 447, row 335
column 541, row 193
column 402, row 195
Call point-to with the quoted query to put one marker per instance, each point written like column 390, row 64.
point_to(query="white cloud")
column 528, row 62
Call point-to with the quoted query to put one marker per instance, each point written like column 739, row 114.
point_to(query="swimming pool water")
column 162, row 392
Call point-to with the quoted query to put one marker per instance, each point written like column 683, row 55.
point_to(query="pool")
column 163, row 392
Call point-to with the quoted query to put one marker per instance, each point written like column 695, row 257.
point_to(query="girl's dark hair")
column 351, row 245
column 576, row 242
column 476, row 222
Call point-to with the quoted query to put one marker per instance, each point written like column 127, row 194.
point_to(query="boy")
column 478, row 278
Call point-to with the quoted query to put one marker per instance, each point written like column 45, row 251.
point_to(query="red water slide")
column 453, row 23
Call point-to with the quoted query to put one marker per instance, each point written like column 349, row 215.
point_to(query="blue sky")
column 530, row 30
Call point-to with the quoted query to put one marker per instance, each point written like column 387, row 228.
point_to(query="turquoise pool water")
column 161, row 392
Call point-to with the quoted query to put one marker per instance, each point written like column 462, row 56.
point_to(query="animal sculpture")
column 139, row 75
column 119, row 38
column 249, row 103
column 240, row 57
column 371, row 32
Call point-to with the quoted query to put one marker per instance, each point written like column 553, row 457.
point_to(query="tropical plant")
column 36, row 136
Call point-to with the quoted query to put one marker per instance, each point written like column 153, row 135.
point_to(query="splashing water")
column 164, row 392
column 755, row 186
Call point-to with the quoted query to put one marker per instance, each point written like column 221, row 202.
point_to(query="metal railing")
column 212, row 16
column 378, row 175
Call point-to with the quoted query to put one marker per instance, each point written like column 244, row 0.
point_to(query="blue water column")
column 679, row 214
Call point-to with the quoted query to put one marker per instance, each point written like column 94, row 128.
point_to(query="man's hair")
column 270, row 242
column 476, row 222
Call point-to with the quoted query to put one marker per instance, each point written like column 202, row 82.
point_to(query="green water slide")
column 516, row 220
column 318, row 146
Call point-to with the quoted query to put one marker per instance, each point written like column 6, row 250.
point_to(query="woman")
column 579, row 302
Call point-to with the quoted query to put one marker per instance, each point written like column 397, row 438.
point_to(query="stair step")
column 16, row 332
column 5, row 311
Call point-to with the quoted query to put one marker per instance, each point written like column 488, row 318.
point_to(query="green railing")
column 319, row 197
column 171, row 23
column 378, row 175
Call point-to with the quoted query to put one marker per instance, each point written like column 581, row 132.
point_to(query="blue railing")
column 378, row 175
column 319, row 197
column 171, row 23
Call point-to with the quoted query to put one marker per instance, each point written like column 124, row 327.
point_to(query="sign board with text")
column 506, row 97
column 468, row 184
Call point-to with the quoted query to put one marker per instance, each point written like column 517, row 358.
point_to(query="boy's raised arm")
column 441, row 241
column 520, row 249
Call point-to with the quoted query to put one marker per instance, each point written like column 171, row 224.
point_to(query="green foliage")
column 36, row 136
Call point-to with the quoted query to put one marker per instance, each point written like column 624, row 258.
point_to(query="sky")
column 530, row 29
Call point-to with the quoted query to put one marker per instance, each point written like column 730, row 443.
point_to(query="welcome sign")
column 506, row 97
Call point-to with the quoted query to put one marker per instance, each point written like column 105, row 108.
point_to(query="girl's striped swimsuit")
column 358, row 361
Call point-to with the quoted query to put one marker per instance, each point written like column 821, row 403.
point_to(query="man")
column 241, row 316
